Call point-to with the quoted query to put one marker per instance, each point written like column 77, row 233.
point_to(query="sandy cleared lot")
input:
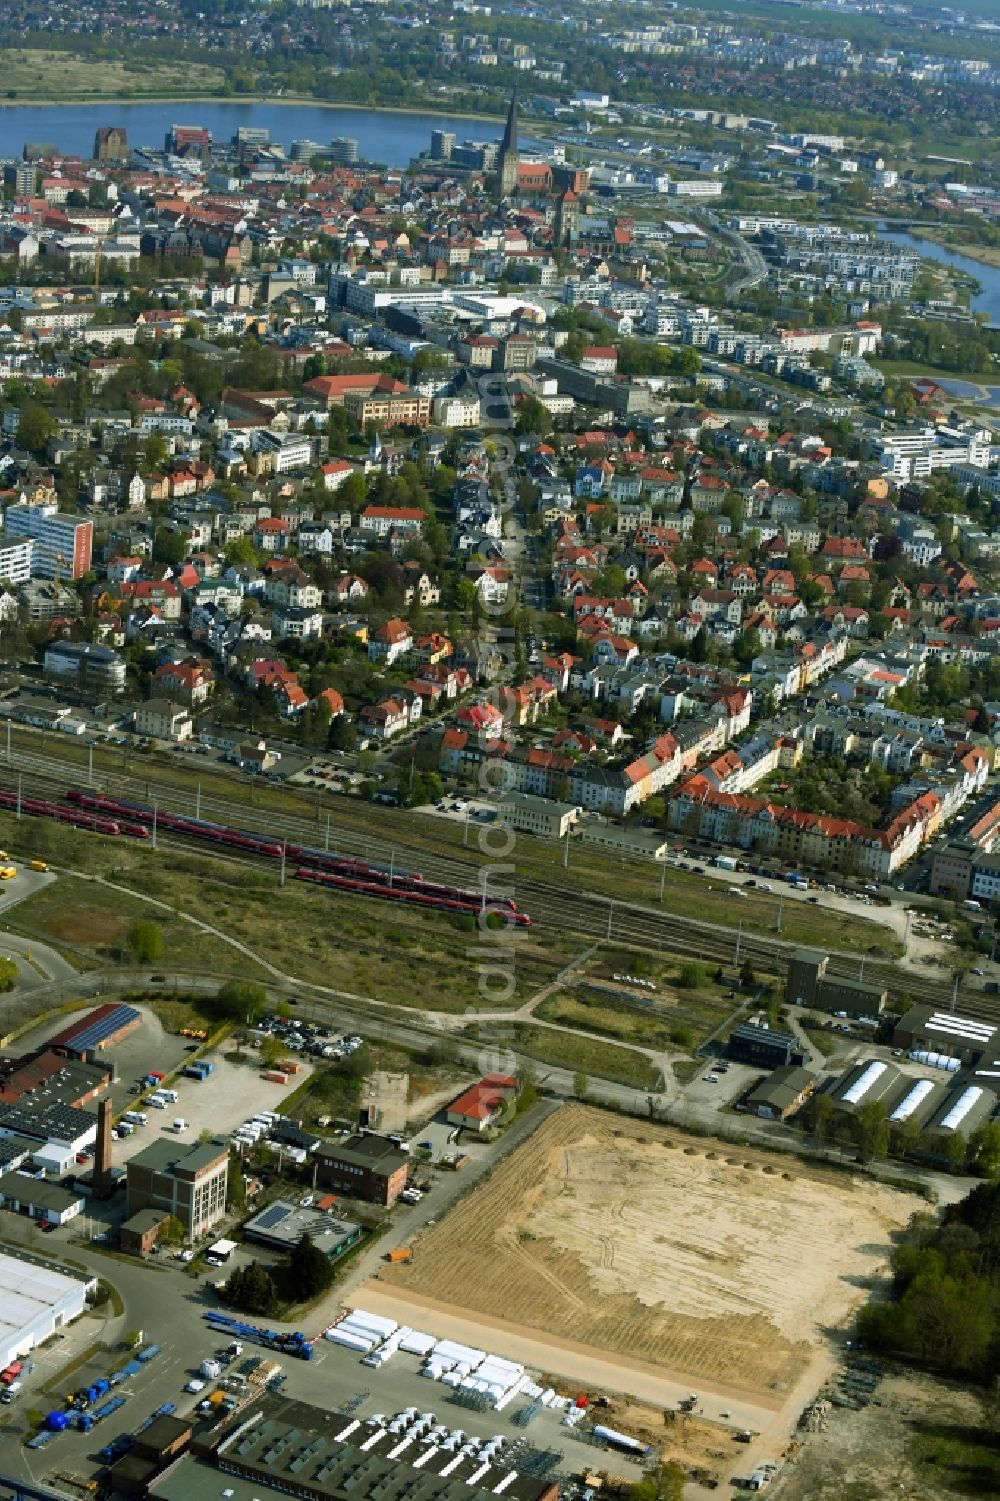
column 658, row 1252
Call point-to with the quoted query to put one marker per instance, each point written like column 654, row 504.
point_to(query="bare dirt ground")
column 706, row 1263
column 926, row 1440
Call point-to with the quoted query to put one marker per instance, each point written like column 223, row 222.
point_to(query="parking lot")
column 220, row 1103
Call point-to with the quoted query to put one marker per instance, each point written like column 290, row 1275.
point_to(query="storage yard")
column 736, row 1283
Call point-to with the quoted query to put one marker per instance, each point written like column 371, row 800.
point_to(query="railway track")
column 586, row 913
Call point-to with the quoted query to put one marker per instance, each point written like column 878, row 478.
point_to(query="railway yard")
column 459, row 878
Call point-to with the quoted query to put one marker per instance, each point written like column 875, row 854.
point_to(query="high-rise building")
column 188, row 140
column 442, row 145
column 304, row 150
column 110, row 144
column 343, row 151
column 63, row 543
column 508, row 159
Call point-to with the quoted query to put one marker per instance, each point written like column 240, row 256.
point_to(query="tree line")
column 944, row 1314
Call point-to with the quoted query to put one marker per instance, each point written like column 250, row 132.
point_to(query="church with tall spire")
column 507, row 162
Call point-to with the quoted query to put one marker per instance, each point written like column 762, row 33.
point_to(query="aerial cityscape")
column 499, row 751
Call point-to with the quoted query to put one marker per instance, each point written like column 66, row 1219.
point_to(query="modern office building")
column 85, row 665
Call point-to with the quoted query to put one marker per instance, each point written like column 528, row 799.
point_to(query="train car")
column 179, row 823
column 36, row 807
column 462, row 903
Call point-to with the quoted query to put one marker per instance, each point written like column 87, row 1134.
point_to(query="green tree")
column 271, row 1051
column 306, row 1272
column 581, row 1084
column 36, row 427
column 692, row 975
column 661, row 1482
column 241, row 553
column 872, row 1127
column 171, row 1232
column 8, row 974
column 241, row 1000
column 236, row 1191
column 145, row 941
column 985, row 1148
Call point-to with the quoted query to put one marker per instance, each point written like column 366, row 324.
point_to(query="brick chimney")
column 103, row 1185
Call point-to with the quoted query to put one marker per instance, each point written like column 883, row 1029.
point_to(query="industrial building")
column 37, row 1199
column 939, row 1106
column 61, row 1079
column 282, row 1225
column 57, row 1132
column 782, row 1093
column 809, row 984
column 300, row 1450
column 926, row 1028
column 537, row 815
column 140, row 1232
column 763, row 1047
column 364, row 1166
column 866, row 1083
column 37, row 1301
column 183, row 1179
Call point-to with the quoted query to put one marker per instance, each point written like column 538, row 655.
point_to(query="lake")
column 987, row 299
column 388, row 136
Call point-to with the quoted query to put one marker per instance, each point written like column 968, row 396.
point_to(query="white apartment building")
column 61, row 542
column 15, row 559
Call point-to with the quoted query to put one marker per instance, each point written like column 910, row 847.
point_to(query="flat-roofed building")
column 280, row 1445
column 182, row 1179
column 764, row 1047
column 282, row 1225
column 38, row 1300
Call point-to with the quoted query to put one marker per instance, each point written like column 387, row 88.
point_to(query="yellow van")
column 7, row 872
column 39, row 865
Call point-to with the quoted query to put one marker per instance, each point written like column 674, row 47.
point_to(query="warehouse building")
column 810, row 984
column 925, row 1028
column 365, row 1167
column 299, row 1450
column 37, row 1301
column 763, row 1047
column 782, row 1093
column 965, row 1107
column 38, row 1199
column 537, row 815
column 282, row 1225
column 100, row 1028
column 865, row 1083
column 61, row 1079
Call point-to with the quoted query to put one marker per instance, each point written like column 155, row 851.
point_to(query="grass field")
column 60, row 76
column 349, row 943
column 585, row 1055
column 630, row 1238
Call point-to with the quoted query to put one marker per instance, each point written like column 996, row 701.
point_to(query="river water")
column 388, row 136
column 987, row 299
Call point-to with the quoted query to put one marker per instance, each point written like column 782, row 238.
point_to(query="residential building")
column 63, row 544
column 92, row 668
column 161, row 719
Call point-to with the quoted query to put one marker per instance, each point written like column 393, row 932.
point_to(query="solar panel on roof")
column 271, row 1217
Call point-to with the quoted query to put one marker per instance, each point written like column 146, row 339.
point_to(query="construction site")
column 646, row 1262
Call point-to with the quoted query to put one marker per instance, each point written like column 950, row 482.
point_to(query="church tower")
column 508, row 158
